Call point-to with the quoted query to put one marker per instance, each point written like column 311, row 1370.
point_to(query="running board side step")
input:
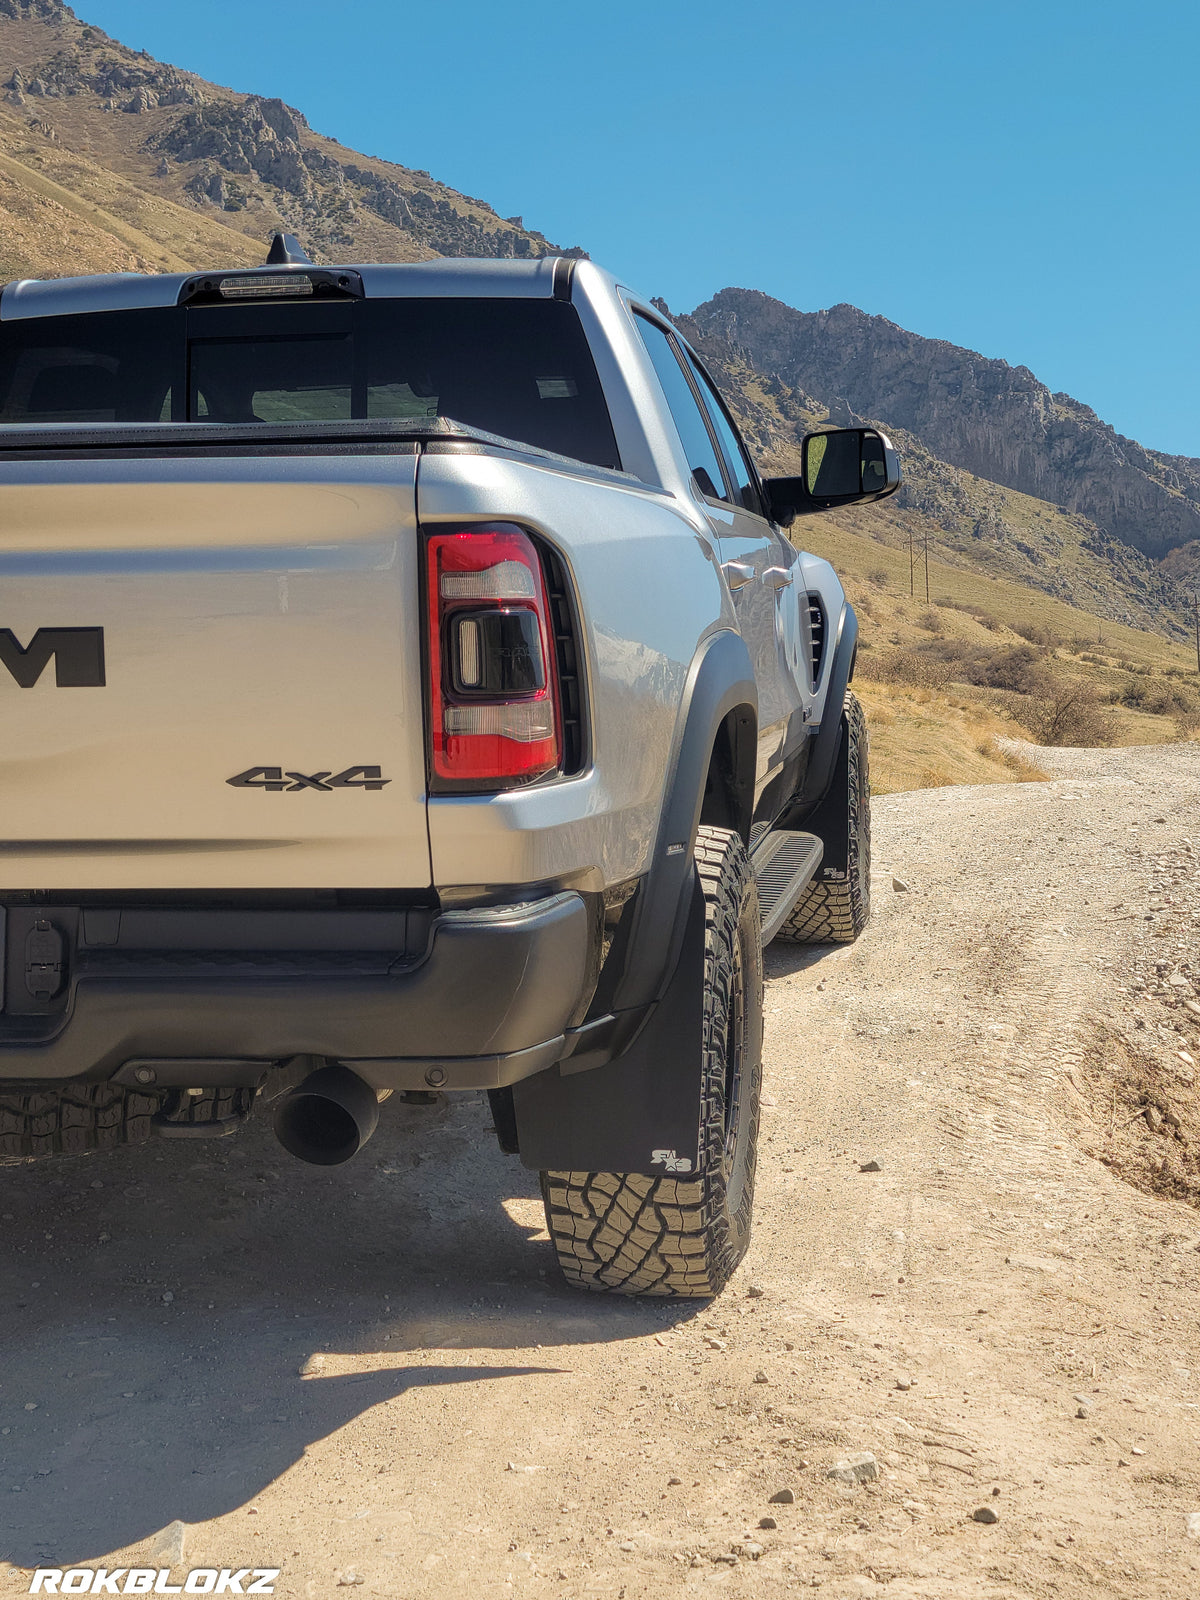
column 784, row 864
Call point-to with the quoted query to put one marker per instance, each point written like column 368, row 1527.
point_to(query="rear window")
column 518, row 368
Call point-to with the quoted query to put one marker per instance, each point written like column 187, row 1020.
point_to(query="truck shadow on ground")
column 159, row 1304
column 782, row 960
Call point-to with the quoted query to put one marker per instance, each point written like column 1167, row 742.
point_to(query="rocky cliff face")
column 255, row 160
column 970, row 521
column 995, row 421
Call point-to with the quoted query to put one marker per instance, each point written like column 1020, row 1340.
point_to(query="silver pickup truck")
column 408, row 686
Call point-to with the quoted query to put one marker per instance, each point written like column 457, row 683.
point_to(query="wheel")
column 73, row 1120
column 627, row 1234
column 834, row 910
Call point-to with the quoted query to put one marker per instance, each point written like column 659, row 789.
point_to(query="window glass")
column 114, row 368
column 271, row 380
column 521, row 369
column 685, row 409
column 735, row 451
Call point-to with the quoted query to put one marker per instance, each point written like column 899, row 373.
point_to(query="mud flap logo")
column 280, row 782
column 669, row 1161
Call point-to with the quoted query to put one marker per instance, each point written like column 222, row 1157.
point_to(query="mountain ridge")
column 250, row 158
column 994, row 420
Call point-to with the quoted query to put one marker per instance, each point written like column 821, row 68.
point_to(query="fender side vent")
column 566, row 649
column 816, row 624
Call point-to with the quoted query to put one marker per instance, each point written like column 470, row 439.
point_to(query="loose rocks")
column 783, row 1497
column 861, row 1468
column 986, row 1514
column 168, row 1543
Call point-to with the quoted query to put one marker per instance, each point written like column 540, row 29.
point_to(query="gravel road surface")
column 961, row 1360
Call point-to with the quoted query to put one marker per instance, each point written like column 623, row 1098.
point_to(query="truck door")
column 783, row 611
column 759, row 565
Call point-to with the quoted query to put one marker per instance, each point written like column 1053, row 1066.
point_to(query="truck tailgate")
column 259, row 622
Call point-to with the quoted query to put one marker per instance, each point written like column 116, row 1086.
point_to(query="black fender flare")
column 633, row 1092
column 720, row 681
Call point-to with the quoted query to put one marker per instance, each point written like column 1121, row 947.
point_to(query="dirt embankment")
column 371, row 1379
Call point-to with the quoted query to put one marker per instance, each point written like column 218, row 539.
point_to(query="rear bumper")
column 488, row 1002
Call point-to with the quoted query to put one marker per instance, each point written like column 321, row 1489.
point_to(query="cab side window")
column 702, row 457
column 745, row 478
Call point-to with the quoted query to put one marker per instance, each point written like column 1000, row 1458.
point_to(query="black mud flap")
column 830, row 820
column 639, row 1113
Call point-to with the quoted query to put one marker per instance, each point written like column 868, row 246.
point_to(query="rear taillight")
column 494, row 700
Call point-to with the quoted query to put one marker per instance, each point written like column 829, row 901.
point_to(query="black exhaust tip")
column 328, row 1118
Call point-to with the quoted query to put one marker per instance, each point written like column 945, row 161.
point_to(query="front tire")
column 836, row 910
column 621, row 1233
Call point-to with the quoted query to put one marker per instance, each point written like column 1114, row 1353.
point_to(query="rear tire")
column 836, row 910
column 628, row 1234
column 74, row 1120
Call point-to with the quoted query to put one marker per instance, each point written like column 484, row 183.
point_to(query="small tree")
column 1071, row 714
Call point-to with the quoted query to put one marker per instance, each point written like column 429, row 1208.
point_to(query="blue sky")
column 1020, row 178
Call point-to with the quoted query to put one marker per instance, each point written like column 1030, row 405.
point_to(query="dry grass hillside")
column 947, row 680
column 62, row 213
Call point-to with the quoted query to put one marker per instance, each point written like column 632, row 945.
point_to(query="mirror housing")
column 840, row 467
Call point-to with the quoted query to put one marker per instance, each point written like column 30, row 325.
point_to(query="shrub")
column 930, row 620
column 1156, row 698
column 879, row 578
column 1070, row 715
column 916, row 669
column 1017, row 669
column 1034, row 633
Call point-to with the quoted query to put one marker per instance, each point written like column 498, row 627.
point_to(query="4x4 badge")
column 277, row 780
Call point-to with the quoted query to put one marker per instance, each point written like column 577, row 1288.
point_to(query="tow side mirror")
column 840, row 467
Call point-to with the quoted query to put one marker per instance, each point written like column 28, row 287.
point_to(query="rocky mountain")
column 994, row 421
column 113, row 161
column 255, row 163
column 969, row 521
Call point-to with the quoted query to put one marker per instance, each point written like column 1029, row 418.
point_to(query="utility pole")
column 1196, row 619
column 912, row 564
column 926, row 565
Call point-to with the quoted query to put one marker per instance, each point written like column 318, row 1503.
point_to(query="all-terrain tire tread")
column 835, row 911
column 638, row 1235
column 74, row 1120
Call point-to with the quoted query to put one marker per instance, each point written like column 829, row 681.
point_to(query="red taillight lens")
column 493, row 682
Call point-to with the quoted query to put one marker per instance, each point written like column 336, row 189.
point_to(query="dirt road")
column 369, row 1377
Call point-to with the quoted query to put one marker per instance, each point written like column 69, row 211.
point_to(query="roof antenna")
column 287, row 251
